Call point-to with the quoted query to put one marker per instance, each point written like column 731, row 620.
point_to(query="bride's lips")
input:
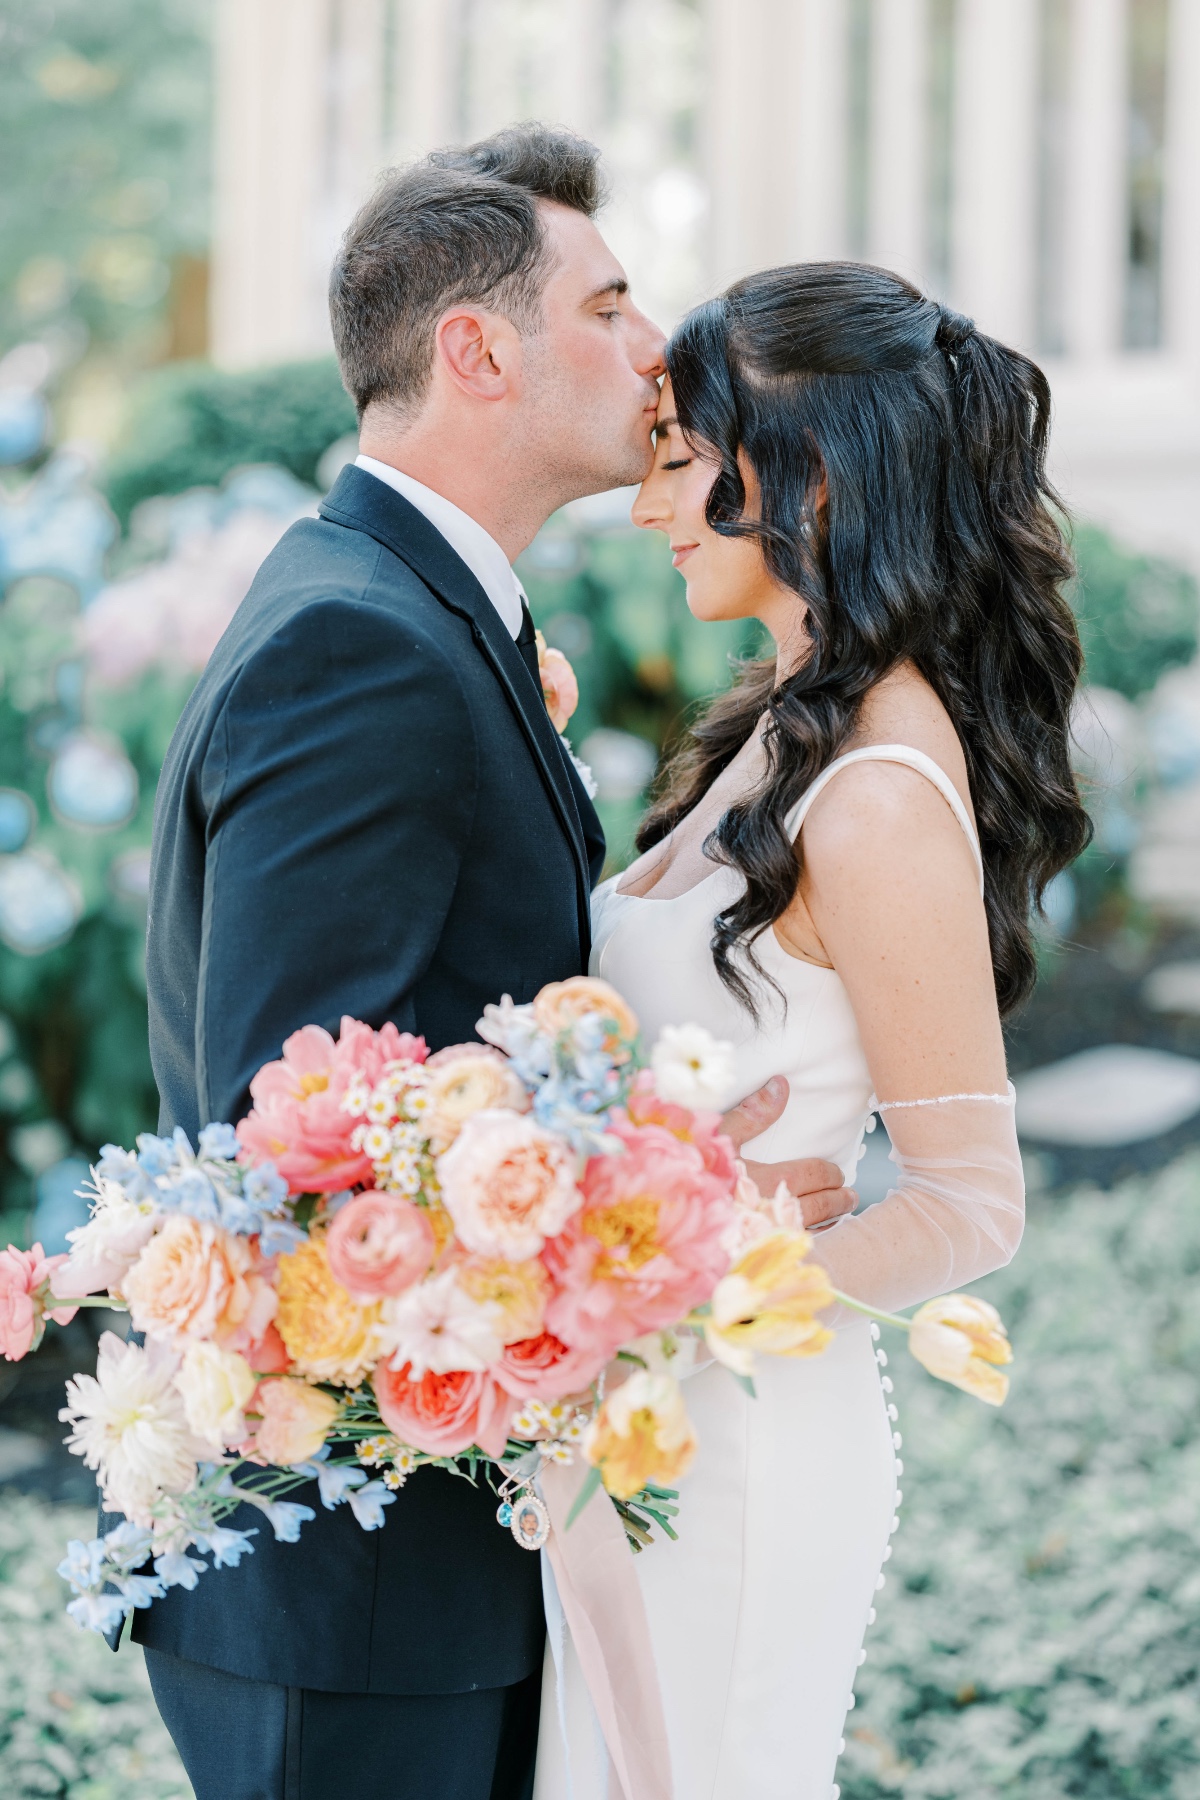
column 681, row 552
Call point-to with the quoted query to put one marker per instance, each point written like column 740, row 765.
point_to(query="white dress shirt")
column 465, row 536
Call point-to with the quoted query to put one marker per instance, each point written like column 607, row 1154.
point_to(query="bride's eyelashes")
column 680, row 462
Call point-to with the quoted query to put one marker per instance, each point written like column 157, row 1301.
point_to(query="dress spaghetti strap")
column 895, row 753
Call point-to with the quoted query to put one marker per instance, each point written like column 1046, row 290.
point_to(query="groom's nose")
column 648, row 349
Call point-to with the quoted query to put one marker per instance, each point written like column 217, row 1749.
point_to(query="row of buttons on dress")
column 888, row 1386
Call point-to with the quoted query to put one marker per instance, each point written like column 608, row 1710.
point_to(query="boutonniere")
column 560, row 690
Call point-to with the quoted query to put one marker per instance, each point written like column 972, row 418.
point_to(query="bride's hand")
column 816, row 1184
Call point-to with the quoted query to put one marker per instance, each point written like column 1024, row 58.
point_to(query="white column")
column 1181, row 234
column 898, row 155
column 755, row 133
column 357, row 85
column 425, row 77
column 994, row 238
column 823, row 98
column 271, row 134
column 580, row 75
column 1094, row 264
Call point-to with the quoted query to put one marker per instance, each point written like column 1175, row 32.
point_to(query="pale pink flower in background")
column 379, row 1244
column 645, row 1247
column 438, row 1326
column 296, row 1420
column 106, row 1248
column 196, row 1280
column 216, row 1386
column 298, row 1121
column 507, row 1184
column 466, row 1079
column 755, row 1216
column 25, row 1301
column 444, row 1414
column 129, row 1424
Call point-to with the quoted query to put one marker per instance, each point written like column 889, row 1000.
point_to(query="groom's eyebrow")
column 620, row 286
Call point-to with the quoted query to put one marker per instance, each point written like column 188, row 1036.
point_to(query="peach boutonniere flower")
column 559, row 686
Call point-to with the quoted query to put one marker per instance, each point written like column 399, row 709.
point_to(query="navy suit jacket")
column 364, row 810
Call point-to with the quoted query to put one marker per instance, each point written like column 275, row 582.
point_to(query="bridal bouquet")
column 400, row 1259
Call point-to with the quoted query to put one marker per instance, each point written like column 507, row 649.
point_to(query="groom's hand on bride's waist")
column 816, row 1184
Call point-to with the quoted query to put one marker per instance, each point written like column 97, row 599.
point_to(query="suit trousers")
column 250, row 1740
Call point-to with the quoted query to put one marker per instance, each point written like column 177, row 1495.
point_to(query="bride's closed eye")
column 680, row 462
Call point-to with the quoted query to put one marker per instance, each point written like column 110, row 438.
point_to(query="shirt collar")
column 465, row 536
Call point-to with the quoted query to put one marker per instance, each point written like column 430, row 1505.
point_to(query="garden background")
column 1040, row 1631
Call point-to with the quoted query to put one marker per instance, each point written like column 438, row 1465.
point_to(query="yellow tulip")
column 767, row 1302
column 960, row 1339
column 641, row 1433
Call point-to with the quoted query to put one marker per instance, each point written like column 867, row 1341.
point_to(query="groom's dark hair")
column 460, row 227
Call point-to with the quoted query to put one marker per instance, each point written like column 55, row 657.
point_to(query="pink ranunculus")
column 645, row 1247
column 508, row 1184
column 560, row 690
column 444, row 1414
column 703, row 1129
column 298, row 1122
column 379, row 1244
column 543, row 1368
column 26, row 1301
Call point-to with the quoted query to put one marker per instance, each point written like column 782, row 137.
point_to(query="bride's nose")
column 652, row 508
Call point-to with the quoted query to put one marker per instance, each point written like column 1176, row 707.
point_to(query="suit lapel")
column 363, row 503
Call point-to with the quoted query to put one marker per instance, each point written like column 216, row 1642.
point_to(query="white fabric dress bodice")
column 757, row 1613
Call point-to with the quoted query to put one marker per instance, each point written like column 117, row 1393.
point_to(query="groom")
column 365, row 809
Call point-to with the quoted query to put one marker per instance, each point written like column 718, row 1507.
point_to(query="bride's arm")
column 891, row 887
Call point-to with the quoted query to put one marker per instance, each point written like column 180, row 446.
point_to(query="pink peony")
column 703, row 1129
column 507, row 1184
column 25, row 1299
column 645, row 1247
column 542, row 1368
column 298, row 1122
column 444, row 1414
column 379, row 1244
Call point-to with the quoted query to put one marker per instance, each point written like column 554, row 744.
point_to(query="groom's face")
column 592, row 370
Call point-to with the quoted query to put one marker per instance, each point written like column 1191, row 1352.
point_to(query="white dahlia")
column 130, row 1426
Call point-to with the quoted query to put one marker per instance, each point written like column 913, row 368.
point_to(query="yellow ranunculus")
column 767, row 1302
column 959, row 1339
column 642, row 1433
column 328, row 1336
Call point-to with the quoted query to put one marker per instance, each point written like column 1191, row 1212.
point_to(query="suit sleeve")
column 339, row 787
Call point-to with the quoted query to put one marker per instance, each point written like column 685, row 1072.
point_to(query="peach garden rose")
column 195, row 1280
column 507, row 1184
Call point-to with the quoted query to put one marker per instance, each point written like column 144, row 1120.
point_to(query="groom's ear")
column 479, row 353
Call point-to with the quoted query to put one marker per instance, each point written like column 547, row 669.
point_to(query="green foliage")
column 104, row 119
column 1040, row 1633
column 1138, row 615
column 76, row 1722
column 189, row 425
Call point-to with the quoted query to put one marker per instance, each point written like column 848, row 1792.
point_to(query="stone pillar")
column 994, row 243
column 1094, row 264
column 357, row 78
column 425, row 109
column 899, row 137
column 581, row 73
column 268, row 278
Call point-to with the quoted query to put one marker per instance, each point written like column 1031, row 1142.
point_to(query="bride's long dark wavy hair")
column 937, row 543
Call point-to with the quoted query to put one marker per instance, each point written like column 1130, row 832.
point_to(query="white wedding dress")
column 757, row 1614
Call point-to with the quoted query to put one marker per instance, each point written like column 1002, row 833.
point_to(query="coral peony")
column 444, row 1414
column 379, row 1244
column 130, row 1426
column 216, row 1386
column 26, row 1300
column 466, row 1079
column 517, row 1292
column 960, row 1339
column 646, row 1106
column 642, row 1433
column 507, row 1184
column 196, row 1280
column 543, row 1368
column 298, row 1121
column 562, row 1004
column 329, row 1336
column 646, row 1245
column 296, row 1420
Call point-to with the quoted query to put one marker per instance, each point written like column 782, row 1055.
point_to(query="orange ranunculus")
column 561, row 1003
column 960, row 1339
column 641, row 1433
column 329, row 1336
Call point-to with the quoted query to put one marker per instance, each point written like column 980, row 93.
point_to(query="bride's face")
column 726, row 577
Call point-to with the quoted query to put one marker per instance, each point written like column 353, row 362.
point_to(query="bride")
column 838, row 878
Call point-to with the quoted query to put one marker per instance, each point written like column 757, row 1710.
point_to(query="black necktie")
column 527, row 645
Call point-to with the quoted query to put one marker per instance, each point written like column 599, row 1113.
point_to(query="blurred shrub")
column 1039, row 1636
column 1138, row 615
column 189, row 425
